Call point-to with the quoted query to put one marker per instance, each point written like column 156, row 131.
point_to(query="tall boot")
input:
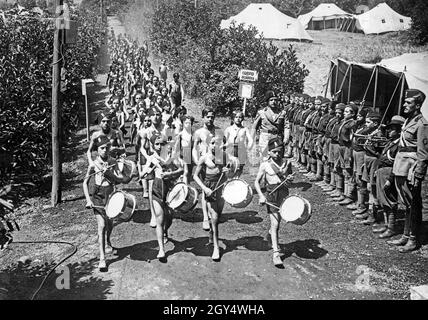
column 319, row 172
column 411, row 245
column 339, row 188
column 390, row 231
column 362, row 207
column 372, row 215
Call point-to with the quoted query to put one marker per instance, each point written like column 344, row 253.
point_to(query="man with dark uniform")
column 316, row 171
column 410, row 167
column 328, row 175
column 320, row 140
column 387, row 195
column 302, row 132
column 307, row 141
column 334, row 152
column 270, row 120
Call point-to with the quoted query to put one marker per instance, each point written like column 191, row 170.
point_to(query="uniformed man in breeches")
column 410, row 168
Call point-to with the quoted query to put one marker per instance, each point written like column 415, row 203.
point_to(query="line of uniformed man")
column 373, row 169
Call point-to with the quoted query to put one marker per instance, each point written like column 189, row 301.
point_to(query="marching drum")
column 121, row 206
column 237, row 193
column 126, row 170
column 296, row 210
column 182, row 198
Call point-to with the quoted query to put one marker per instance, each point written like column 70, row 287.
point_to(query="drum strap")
column 275, row 169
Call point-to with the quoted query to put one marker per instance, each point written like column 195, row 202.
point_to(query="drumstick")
column 222, row 174
column 272, row 205
column 100, row 169
column 282, row 183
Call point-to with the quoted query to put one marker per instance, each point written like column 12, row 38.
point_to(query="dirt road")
column 330, row 257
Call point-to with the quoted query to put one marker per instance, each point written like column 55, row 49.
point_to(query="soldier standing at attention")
column 410, row 167
column 270, row 120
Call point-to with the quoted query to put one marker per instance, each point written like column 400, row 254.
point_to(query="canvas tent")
column 325, row 16
column 380, row 19
column 269, row 21
column 380, row 85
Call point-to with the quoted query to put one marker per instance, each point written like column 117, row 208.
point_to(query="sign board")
column 248, row 75
column 246, row 90
column 84, row 83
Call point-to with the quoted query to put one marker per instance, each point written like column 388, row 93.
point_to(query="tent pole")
column 375, row 88
column 392, row 97
column 344, row 78
column 323, row 18
column 337, row 76
column 400, row 103
column 349, row 85
column 368, row 86
column 328, row 80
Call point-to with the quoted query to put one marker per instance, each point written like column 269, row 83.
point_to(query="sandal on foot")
column 216, row 256
column 206, row 225
column 102, row 266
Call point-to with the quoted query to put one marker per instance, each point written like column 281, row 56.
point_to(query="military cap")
column 270, row 94
column 325, row 100
column 373, row 115
column 340, row 106
column 275, row 143
column 363, row 111
column 396, row 120
column 101, row 140
column 418, row 95
column 353, row 107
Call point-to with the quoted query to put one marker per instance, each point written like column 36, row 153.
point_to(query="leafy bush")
column 209, row 58
column 26, row 46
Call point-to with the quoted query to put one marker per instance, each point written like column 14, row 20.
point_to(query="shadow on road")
column 22, row 280
column 305, row 249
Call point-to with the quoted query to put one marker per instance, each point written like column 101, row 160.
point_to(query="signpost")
column 246, row 85
column 86, row 82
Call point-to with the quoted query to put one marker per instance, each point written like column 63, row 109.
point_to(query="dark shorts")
column 369, row 169
column 100, row 197
column 345, row 157
column 215, row 196
column 160, row 190
column 276, row 197
column 358, row 162
column 333, row 152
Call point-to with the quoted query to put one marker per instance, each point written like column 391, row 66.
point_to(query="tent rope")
column 368, row 86
column 392, row 97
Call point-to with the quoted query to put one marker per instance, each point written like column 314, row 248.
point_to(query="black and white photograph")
column 213, row 156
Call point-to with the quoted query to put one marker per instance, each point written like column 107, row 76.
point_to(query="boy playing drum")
column 210, row 173
column 101, row 168
column 166, row 171
column 273, row 173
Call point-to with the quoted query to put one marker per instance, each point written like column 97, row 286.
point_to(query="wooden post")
column 400, row 103
column 56, row 111
column 88, row 118
column 102, row 10
column 324, row 21
column 349, row 84
column 245, row 105
column 375, row 88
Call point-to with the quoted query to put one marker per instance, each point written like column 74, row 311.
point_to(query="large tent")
column 380, row 85
column 380, row 19
column 270, row 22
column 325, row 16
